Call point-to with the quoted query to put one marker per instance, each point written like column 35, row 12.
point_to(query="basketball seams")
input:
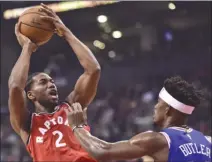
column 35, row 26
column 32, row 13
column 38, row 27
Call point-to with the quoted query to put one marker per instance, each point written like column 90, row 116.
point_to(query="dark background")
column 130, row 81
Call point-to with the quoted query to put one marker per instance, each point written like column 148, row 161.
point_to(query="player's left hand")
column 76, row 116
column 60, row 27
column 23, row 40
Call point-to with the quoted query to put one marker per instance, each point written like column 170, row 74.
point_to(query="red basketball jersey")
column 51, row 138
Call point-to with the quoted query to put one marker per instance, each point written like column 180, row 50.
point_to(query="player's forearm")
column 95, row 147
column 102, row 150
column 84, row 54
column 19, row 74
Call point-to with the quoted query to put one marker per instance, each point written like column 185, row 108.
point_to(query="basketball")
column 33, row 27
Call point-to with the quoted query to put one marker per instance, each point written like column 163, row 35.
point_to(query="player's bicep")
column 85, row 89
column 17, row 108
column 150, row 142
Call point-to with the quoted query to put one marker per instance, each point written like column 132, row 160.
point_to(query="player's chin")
column 154, row 119
column 53, row 98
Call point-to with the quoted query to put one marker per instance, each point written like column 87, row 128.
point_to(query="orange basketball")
column 36, row 29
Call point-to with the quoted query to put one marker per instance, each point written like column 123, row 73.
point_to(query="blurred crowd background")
column 138, row 44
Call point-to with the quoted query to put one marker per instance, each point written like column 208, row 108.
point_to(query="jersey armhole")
column 67, row 103
column 167, row 138
column 29, row 136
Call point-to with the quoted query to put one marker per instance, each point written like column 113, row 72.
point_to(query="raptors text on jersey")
column 51, row 138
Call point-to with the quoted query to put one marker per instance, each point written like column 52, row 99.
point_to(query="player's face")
column 160, row 112
column 44, row 90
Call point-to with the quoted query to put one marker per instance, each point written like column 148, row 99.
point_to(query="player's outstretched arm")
column 146, row 143
column 86, row 86
column 16, row 83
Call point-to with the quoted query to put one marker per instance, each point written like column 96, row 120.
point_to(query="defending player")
column 48, row 136
column 176, row 142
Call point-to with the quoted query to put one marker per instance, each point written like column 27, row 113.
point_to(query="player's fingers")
column 85, row 110
column 79, row 107
column 45, row 6
column 74, row 107
column 85, row 114
column 17, row 26
column 48, row 18
column 16, row 31
column 46, row 11
column 70, row 108
column 78, row 110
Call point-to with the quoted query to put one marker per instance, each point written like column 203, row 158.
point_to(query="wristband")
column 75, row 127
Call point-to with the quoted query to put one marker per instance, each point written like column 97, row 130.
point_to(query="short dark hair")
column 28, row 86
column 30, row 81
column 183, row 91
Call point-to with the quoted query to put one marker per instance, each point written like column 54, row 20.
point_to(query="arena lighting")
column 111, row 54
column 58, row 7
column 99, row 44
column 168, row 36
column 172, row 6
column 117, row 34
column 102, row 18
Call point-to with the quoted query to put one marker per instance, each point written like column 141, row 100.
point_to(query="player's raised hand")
column 61, row 29
column 23, row 40
column 76, row 115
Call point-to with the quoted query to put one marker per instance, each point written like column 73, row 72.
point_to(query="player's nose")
column 52, row 85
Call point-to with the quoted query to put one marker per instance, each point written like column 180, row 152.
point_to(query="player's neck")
column 172, row 122
column 44, row 109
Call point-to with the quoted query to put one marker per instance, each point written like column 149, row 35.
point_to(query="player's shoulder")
column 63, row 104
column 149, row 137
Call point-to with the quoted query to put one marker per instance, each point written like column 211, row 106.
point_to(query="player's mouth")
column 53, row 93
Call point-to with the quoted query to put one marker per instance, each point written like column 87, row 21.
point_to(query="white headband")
column 166, row 97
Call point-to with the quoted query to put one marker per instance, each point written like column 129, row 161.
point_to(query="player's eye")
column 52, row 81
column 42, row 81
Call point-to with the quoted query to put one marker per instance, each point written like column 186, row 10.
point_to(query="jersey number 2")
column 60, row 136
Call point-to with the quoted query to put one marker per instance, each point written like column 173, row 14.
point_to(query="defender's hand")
column 23, row 40
column 61, row 29
column 76, row 115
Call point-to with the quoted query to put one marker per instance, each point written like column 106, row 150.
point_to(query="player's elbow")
column 96, row 70
column 93, row 70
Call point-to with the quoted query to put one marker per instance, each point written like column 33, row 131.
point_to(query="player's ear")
column 30, row 95
column 168, row 110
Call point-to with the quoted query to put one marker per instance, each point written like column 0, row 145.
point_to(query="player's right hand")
column 23, row 40
column 60, row 27
column 75, row 115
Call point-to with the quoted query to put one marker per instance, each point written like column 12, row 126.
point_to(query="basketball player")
column 176, row 142
column 46, row 132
